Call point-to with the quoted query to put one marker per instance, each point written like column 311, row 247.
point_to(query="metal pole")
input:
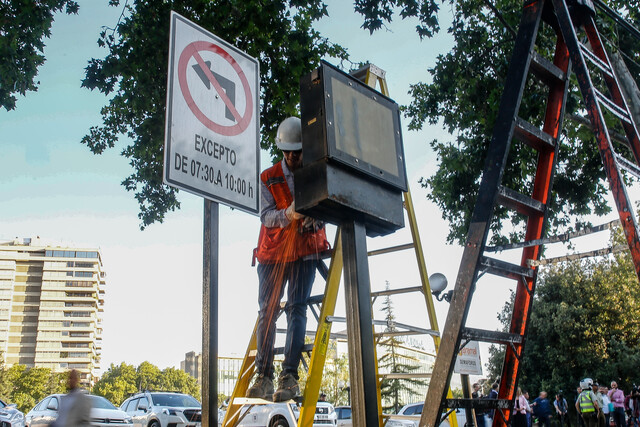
column 362, row 363
column 466, row 393
column 210, row 315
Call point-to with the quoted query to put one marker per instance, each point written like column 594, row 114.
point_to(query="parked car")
column 10, row 416
column 282, row 414
column 414, row 411
column 163, row 409
column 344, row 416
column 103, row 413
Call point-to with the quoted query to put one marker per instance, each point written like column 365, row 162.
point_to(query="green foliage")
column 120, row 381
column 464, row 93
column 376, row 13
column 27, row 386
column 134, row 73
column 582, row 325
column 396, row 361
column 23, row 27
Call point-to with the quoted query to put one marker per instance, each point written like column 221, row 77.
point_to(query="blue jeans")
column 299, row 275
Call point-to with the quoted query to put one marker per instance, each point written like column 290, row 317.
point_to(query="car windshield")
column 2, row 404
column 101, row 402
column 177, row 400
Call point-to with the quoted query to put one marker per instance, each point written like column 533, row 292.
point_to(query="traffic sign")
column 212, row 144
column 468, row 360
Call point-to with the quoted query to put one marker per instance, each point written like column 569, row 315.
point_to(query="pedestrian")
column 562, row 409
column 520, row 410
column 617, row 398
column 493, row 394
column 477, row 394
column 632, row 407
column 288, row 253
column 587, row 405
column 542, row 409
column 529, row 410
column 580, row 421
column 607, row 406
column 601, row 418
column 75, row 406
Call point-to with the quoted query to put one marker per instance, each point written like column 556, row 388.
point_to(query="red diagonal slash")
column 242, row 121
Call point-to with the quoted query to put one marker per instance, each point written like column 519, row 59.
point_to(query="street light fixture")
column 439, row 283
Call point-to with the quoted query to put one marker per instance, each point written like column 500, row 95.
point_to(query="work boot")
column 287, row 388
column 262, row 388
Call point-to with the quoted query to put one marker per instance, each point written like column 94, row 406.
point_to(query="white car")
column 163, row 409
column 258, row 412
column 411, row 417
column 10, row 415
column 344, row 416
column 103, row 413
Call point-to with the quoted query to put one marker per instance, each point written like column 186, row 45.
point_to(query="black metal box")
column 353, row 161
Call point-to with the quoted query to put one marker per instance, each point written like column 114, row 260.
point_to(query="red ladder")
column 508, row 126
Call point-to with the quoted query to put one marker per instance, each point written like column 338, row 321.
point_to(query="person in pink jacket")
column 617, row 398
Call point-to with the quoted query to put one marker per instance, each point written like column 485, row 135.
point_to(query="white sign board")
column 468, row 360
column 212, row 144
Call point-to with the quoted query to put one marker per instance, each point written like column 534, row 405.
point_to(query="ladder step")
column 628, row 165
column 615, row 109
column 595, row 60
column 505, row 269
column 519, row 202
column 478, row 403
column 533, row 136
column 405, row 376
column 546, row 70
column 307, row 348
column 496, row 337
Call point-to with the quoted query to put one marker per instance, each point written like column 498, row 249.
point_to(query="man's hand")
column 291, row 213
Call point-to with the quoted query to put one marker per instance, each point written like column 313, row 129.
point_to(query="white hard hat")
column 586, row 383
column 289, row 136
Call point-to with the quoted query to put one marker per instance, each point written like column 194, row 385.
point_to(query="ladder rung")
column 603, row 66
column 409, row 328
column 496, row 337
column 478, row 403
column 404, row 376
column 305, row 349
column 615, row 109
column 546, row 70
column 505, row 269
column 398, row 333
column 519, row 202
column 628, row 165
column 533, row 136
column 391, row 249
column 396, row 291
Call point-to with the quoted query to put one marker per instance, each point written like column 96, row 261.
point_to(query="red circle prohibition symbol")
column 242, row 121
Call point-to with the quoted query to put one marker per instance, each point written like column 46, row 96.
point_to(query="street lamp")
column 439, row 283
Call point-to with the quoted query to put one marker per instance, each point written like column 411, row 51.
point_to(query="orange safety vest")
column 276, row 244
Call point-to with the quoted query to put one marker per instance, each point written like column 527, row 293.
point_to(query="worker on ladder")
column 288, row 252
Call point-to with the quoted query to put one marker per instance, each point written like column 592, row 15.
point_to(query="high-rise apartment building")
column 51, row 305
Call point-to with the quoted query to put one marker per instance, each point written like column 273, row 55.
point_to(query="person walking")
column 617, row 398
column 542, row 409
column 600, row 401
column 562, row 409
column 75, row 406
column 479, row 413
column 288, row 252
column 520, row 410
column 606, row 405
column 587, row 405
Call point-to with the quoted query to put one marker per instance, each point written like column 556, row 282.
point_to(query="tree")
column 582, row 325
column 30, row 385
column 120, row 381
column 464, row 94
column 117, row 383
column 134, row 73
column 395, row 361
column 23, row 27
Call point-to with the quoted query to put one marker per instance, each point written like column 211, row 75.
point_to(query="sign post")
column 211, row 150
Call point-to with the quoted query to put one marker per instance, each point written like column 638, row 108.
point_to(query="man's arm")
column 270, row 215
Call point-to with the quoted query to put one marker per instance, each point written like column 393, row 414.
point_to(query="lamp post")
column 346, row 387
column 439, row 283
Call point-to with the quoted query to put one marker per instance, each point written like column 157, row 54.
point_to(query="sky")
column 52, row 186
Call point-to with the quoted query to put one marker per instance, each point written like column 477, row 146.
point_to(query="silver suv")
column 163, row 409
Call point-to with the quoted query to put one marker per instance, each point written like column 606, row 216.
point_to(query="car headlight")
column 169, row 411
column 16, row 416
column 128, row 420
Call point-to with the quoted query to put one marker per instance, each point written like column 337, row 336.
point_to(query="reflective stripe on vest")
column 586, row 404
